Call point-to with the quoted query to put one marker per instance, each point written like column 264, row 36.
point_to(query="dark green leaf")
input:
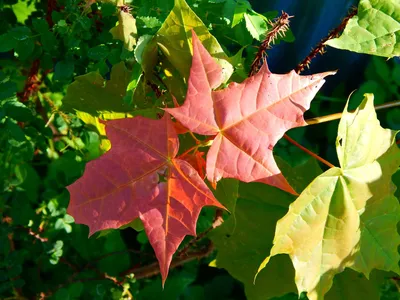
column 24, row 48
column 63, row 70
column 7, row 42
column 98, row 53
column 20, row 33
column 40, row 25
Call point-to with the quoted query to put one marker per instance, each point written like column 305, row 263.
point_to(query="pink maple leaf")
column 139, row 177
column 248, row 118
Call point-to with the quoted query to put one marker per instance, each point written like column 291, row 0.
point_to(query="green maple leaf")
column 347, row 216
column 374, row 30
column 93, row 98
column 92, row 94
column 227, row 193
column 174, row 39
column 242, row 240
column 350, row 285
column 256, row 25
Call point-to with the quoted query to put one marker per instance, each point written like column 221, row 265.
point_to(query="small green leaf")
column 150, row 22
column 98, row 52
column 23, row 9
column 62, row 23
column 256, row 25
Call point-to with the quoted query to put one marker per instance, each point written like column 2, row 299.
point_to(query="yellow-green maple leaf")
column 175, row 40
column 374, row 30
column 126, row 30
column 347, row 216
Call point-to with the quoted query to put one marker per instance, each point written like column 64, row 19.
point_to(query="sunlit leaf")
column 247, row 119
column 126, row 30
column 374, row 30
column 347, row 216
column 175, row 40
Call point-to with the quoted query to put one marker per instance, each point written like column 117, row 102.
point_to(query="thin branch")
column 32, row 82
column 279, row 27
column 325, row 162
column 184, row 256
column 216, row 222
column 51, row 6
column 335, row 116
column 36, row 235
column 320, row 48
column 154, row 269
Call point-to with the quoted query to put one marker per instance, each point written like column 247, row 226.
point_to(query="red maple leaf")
column 248, row 118
column 197, row 161
column 140, row 177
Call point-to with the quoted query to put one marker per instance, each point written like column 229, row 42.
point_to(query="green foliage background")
column 44, row 45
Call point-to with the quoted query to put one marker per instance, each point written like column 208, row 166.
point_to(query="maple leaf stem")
column 336, row 116
column 325, row 162
column 189, row 150
column 194, row 137
column 279, row 27
column 320, row 48
column 205, row 143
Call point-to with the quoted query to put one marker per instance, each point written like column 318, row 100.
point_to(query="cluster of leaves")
column 152, row 86
column 44, row 46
